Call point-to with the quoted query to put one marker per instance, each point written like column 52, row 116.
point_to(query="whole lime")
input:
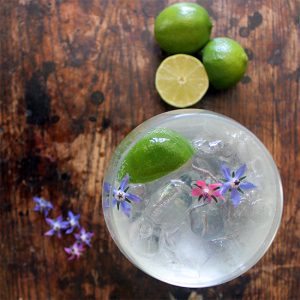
column 158, row 153
column 182, row 28
column 225, row 62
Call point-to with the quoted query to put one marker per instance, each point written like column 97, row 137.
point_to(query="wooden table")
column 76, row 78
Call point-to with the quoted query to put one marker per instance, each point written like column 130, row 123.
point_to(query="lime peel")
column 182, row 28
column 225, row 62
column 156, row 154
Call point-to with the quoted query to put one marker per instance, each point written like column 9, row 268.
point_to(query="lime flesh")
column 181, row 80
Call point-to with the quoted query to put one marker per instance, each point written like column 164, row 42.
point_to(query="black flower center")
column 236, row 182
column 120, row 195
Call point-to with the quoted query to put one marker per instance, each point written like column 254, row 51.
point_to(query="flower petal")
column 196, row 192
column 124, row 182
column 134, row 198
column 201, row 183
column 37, row 200
column 114, row 202
column 59, row 219
column 226, row 172
column 218, row 195
column 70, row 230
column 68, row 250
column 247, row 185
column 225, row 188
column 126, row 208
column 208, row 198
column 50, row 232
column 64, row 224
column 115, row 191
column 77, row 217
column 46, row 212
column 50, row 221
column 106, row 203
column 241, row 170
column 106, row 187
column 214, row 185
column 235, row 197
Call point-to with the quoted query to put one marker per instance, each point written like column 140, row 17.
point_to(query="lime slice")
column 158, row 153
column 181, row 80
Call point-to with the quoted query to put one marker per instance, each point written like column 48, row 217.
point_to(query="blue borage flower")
column 84, row 237
column 73, row 221
column 42, row 205
column 121, row 198
column 234, row 183
column 57, row 225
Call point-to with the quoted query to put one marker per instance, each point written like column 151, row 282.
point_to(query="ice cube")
column 206, row 221
column 216, row 146
column 200, row 143
column 260, row 211
column 210, row 157
column 226, row 249
column 204, row 146
column 187, row 248
column 169, row 204
column 209, row 146
column 144, row 237
column 138, row 189
column 137, row 208
column 222, row 147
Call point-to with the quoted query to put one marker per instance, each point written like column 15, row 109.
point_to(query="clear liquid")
column 178, row 239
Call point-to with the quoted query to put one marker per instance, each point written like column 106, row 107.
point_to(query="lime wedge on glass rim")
column 158, row 153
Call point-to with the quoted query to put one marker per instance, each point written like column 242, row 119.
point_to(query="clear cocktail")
column 192, row 198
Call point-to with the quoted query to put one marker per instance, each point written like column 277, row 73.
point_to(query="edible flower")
column 234, row 183
column 42, row 205
column 121, row 198
column 73, row 222
column 84, row 237
column 57, row 225
column 75, row 251
column 207, row 192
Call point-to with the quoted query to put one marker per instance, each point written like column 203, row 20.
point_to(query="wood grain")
column 76, row 76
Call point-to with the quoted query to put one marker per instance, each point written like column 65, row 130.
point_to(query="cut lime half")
column 181, row 80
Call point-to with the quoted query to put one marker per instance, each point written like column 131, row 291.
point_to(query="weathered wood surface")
column 75, row 77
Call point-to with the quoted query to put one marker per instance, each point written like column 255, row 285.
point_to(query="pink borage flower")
column 75, row 251
column 207, row 192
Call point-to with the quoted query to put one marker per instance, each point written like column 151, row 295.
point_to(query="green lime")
column 225, row 62
column 158, row 153
column 182, row 28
